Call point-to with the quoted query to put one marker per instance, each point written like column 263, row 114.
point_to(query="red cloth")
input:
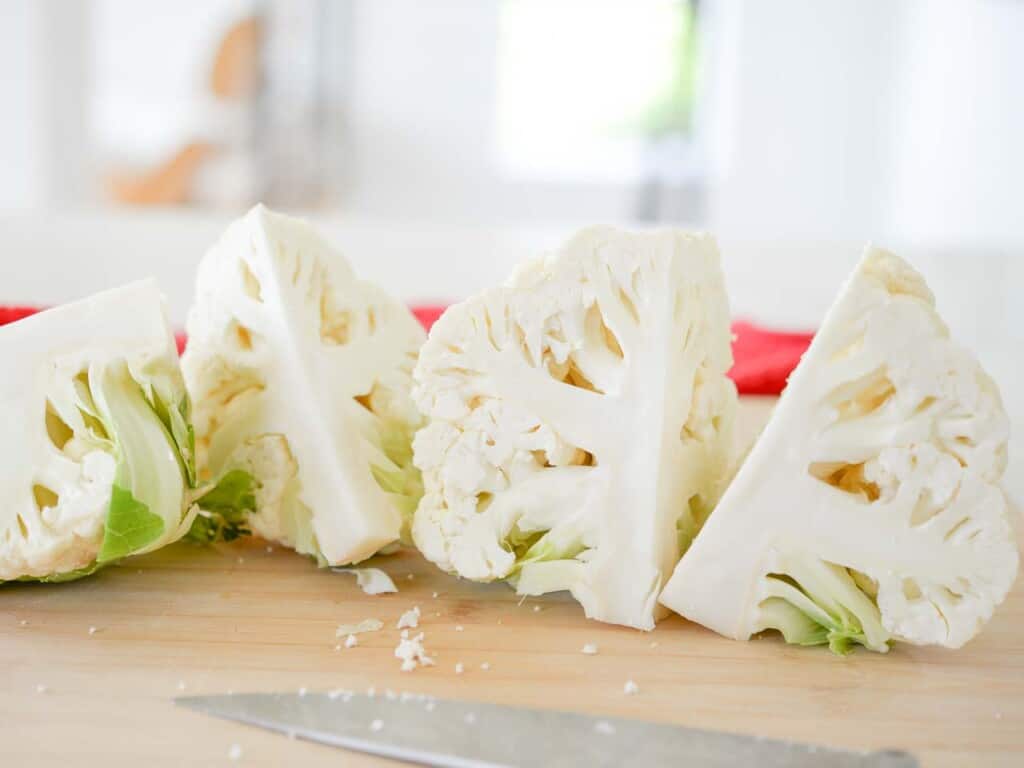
column 764, row 359
column 10, row 314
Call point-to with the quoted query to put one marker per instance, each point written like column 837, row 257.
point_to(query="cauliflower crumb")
column 371, row 691
column 536, row 609
column 410, row 576
column 376, row 725
column 181, row 685
column 23, row 622
column 459, row 668
column 654, row 643
column 412, row 653
column 485, row 666
column 589, row 649
column 434, row 595
column 366, row 625
column 235, row 752
column 458, row 627
column 630, row 688
column 92, row 631
column 351, row 641
column 373, row 581
column 469, row 718
column 604, row 727
column 303, row 690
column 410, row 618
column 337, row 647
column 41, row 688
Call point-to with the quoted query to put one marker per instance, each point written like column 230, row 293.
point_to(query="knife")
column 459, row 734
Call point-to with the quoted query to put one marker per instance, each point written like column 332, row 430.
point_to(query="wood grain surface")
column 187, row 620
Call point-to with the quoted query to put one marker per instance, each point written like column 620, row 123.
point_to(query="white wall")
column 958, row 126
column 800, row 120
column 869, row 120
column 19, row 141
column 422, row 141
column 43, row 53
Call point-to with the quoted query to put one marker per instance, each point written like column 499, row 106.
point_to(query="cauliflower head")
column 301, row 374
column 99, row 464
column 579, row 421
column 870, row 509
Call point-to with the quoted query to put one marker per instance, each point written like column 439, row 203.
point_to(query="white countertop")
column 51, row 259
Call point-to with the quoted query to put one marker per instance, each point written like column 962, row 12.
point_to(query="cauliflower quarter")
column 870, row 509
column 99, row 463
column 301, row 374
column 579, row 421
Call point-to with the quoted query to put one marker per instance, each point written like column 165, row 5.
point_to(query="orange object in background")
column 234, row 79
column 236, row 65
column 168, row 184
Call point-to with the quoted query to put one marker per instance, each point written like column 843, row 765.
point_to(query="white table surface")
column 47, row 259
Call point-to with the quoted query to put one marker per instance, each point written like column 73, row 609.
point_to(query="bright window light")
column 585, row 87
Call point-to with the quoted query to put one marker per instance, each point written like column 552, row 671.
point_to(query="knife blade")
column 459, row 734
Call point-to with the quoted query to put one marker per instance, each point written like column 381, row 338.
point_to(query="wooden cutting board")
column 188, row 620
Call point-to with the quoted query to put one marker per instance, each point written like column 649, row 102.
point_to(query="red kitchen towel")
column 763, row 359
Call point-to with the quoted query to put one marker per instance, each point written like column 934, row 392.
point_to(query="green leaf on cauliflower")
column 224, row 508
column 130, row 526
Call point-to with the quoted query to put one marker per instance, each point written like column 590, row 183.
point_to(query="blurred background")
column 841, row 118
column 440, row 142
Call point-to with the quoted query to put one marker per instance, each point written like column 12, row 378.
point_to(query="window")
column 586, row 89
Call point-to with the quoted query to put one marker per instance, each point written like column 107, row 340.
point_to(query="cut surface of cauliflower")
column 579, row 421
column 870, row 509
column 99, row 461
column 301, row 375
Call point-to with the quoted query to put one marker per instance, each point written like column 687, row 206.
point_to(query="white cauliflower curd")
column 98, row 464
column 870, row 510
column 301, row 374
column 579, row 421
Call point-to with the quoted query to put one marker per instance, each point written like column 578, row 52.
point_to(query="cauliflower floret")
column 870, row 509
column 102, row 467
column 301, row 374
column 579, row 421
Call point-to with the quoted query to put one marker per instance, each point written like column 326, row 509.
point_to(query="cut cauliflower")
column 99, row 463
column 870, row 509
column 301, row 376
column 579, row 421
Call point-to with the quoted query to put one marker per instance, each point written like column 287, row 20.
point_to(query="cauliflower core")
column 301, row 374
column 870, row 509
column 579, row 421
column 98, row 464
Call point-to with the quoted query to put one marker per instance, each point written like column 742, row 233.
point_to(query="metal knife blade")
column 459, row 734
